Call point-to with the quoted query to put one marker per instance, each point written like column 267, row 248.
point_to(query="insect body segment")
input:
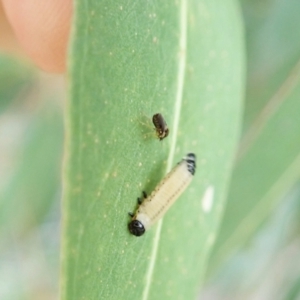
column 165, row 194
column 161, row 126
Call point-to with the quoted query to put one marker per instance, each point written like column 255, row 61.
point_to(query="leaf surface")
column 129, row 60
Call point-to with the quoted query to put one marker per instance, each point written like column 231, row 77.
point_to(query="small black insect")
column 161, row 126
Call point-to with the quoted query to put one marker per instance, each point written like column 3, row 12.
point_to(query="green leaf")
column 128, row 61
column 268, row 161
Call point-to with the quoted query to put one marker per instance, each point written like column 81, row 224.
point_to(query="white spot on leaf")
column 208, row 199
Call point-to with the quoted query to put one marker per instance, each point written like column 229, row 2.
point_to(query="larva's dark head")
column 136, row 228
column 191, row 162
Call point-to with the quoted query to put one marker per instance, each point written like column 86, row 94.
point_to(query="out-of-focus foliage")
column 267, row 165
column 15, row 81
column 268, row 267
column 30, row 159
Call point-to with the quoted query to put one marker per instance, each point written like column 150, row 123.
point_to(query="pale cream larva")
column 152, row 208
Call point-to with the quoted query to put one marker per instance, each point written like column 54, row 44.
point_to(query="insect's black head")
column 163, row 133
column 136, row 228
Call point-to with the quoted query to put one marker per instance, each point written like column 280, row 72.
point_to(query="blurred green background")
column 31, row 138
column 256, row 253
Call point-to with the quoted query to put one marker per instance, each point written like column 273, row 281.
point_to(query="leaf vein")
column 177, row 110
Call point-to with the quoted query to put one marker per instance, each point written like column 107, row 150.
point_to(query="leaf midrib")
column 177, row 110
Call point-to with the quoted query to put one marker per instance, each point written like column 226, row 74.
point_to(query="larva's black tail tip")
column 191, row 162
column 191, row 156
